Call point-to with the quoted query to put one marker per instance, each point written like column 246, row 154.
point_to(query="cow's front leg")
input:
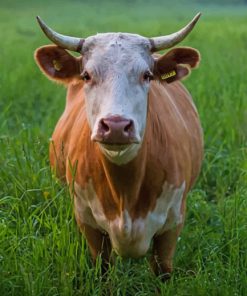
column 99, row 244
column 164, row 247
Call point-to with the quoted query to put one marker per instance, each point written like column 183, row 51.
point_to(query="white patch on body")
column 129, row 237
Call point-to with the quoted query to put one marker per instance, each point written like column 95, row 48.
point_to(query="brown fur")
column 69, row 67
column 180, row 59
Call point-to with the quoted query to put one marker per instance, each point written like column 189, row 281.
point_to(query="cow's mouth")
column 115, row 146
column 118, row 145
column 119, row 153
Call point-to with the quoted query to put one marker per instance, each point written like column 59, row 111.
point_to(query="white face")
column 117, row 69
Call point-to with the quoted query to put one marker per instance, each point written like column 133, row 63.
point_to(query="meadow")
column 41, row 249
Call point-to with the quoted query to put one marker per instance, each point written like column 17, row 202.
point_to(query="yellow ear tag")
column 168, row 75
column 57, row 65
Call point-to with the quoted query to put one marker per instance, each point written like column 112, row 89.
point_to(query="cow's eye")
column 85, row 76
column 147, row 76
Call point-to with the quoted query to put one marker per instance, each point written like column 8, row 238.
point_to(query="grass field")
column 41, row 249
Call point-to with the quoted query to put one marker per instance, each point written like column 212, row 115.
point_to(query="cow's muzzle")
column 116, row 130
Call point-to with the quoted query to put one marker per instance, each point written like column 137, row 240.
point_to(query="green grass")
column 41, row 249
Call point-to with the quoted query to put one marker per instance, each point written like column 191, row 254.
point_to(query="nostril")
column 104, row 126
column 115, row 130
column 129, row 126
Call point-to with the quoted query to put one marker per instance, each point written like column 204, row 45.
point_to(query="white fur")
column 128, row 237
column 116, row 63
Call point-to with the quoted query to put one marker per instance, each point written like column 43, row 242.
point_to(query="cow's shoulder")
column 175, row 132
column 67, row 128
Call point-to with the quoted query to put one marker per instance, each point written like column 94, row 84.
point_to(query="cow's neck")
column 125, row 180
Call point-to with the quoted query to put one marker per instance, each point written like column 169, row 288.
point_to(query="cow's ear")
column 176, row 64
column 57, row 64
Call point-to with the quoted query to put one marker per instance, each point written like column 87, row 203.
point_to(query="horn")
column 66, row 42
column 163, row 42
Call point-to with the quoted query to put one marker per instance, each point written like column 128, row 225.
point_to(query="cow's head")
column 117, row 69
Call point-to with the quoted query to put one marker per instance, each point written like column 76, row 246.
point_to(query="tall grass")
column 41, row 249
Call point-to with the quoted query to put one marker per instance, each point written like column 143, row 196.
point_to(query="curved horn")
column 66, row 42
column 163, row 42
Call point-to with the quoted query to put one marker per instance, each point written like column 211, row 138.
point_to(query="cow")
column 129, row 143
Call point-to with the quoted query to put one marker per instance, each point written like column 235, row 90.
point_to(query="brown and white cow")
column 129, row 142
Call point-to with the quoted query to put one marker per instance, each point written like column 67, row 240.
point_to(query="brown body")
column 171, row 152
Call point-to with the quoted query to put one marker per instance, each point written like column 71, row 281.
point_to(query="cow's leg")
column 99, row 244
column 164, row 247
